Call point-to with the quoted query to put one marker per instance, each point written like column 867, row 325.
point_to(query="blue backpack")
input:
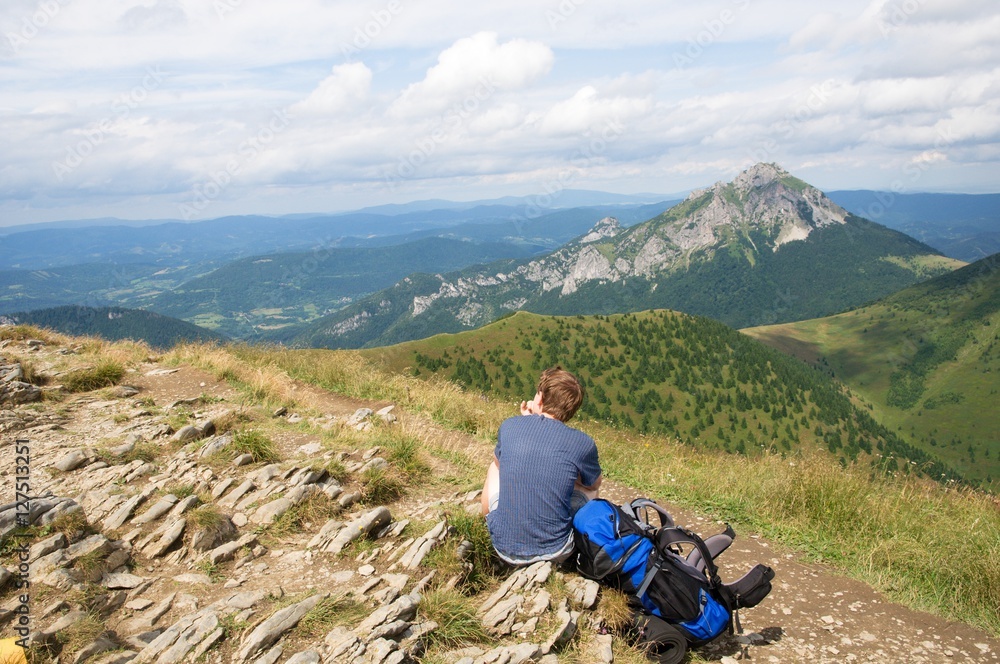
column 619, row 547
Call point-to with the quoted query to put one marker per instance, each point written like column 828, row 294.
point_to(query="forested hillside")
column 927, row 358
column 113, row 324
column 666, row 372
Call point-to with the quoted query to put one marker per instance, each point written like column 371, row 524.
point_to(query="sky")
column 195, row 109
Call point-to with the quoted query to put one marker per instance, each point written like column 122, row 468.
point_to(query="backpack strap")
column 666, row 521
column 667, row 537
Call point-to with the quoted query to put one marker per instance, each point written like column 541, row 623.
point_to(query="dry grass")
column 892, row 532
column 455, row 614
column 105, row 373
column 312, row 512
column 256, row 444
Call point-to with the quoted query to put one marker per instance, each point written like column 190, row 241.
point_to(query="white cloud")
column 587, row 109
column 472, row 67
column 849, row 92
column 341, row 90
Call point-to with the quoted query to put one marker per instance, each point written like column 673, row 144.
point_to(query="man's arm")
column 490, row 486
column 589, row 491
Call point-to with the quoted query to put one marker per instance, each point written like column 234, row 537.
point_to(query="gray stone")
column 304, row 657
column 172, row 534
column 404, row 608
column 266, row 474
column 500, row 618
column 101, row 645
column 386, row 414
column 185, row 505
column 123, row 449
column 221, row 487
column 210, row 537
column 140, row 604
column 65, row 621
column 120, row 580
column 243, row 460
column 17, row 392
column 161, row 507
column 226, row 552
column 71, row 461
column 247, row 599
column 359, row 416
column 274, row 627
column 46, row 546
column 233, row 496
column 118, row 518
column 214, row 446
column 185, row 434
column 268, row 512
column 373, row 520
column 604, row 648
column 379, row 650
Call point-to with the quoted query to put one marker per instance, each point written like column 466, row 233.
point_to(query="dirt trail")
column 813, row 614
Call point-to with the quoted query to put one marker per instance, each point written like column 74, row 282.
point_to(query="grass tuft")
column 256, row 444
column 105, row 373
column 330, row 613
column 380, row 486
column 455, row 614
column 316, row 510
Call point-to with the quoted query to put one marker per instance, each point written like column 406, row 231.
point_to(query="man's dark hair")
column 561, row 393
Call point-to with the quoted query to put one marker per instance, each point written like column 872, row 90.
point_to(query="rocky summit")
column 723, row 252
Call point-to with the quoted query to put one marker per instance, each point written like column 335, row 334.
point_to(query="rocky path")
column 163, row 544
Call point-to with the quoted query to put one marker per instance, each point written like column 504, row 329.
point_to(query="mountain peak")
column 759, row 175
column 607, row 227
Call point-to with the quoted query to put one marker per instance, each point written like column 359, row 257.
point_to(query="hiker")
column 543, row 471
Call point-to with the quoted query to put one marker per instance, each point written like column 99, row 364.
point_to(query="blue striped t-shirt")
column 540, row 460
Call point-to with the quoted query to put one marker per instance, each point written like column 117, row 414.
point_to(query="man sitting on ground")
column 543, row 471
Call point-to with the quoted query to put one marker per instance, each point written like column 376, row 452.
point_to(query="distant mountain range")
column 250, row 295
column 114, row 323
column 926, row 358
column 962, row 226
column 766, row 247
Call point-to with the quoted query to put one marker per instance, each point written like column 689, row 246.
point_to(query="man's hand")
column 533, row 407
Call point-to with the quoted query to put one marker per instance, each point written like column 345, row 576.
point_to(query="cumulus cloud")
column 341, row 90
column 587, row 109
column 429, row 104
column 474, row 66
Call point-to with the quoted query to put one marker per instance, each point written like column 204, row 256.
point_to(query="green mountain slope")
column 249, row 295
column 926, row 358
column 667, row 372
column 114, row 323
column 764, row 248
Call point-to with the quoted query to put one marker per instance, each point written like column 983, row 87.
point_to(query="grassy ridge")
column 668, row 373
column 926, row 358
column 898, row 534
